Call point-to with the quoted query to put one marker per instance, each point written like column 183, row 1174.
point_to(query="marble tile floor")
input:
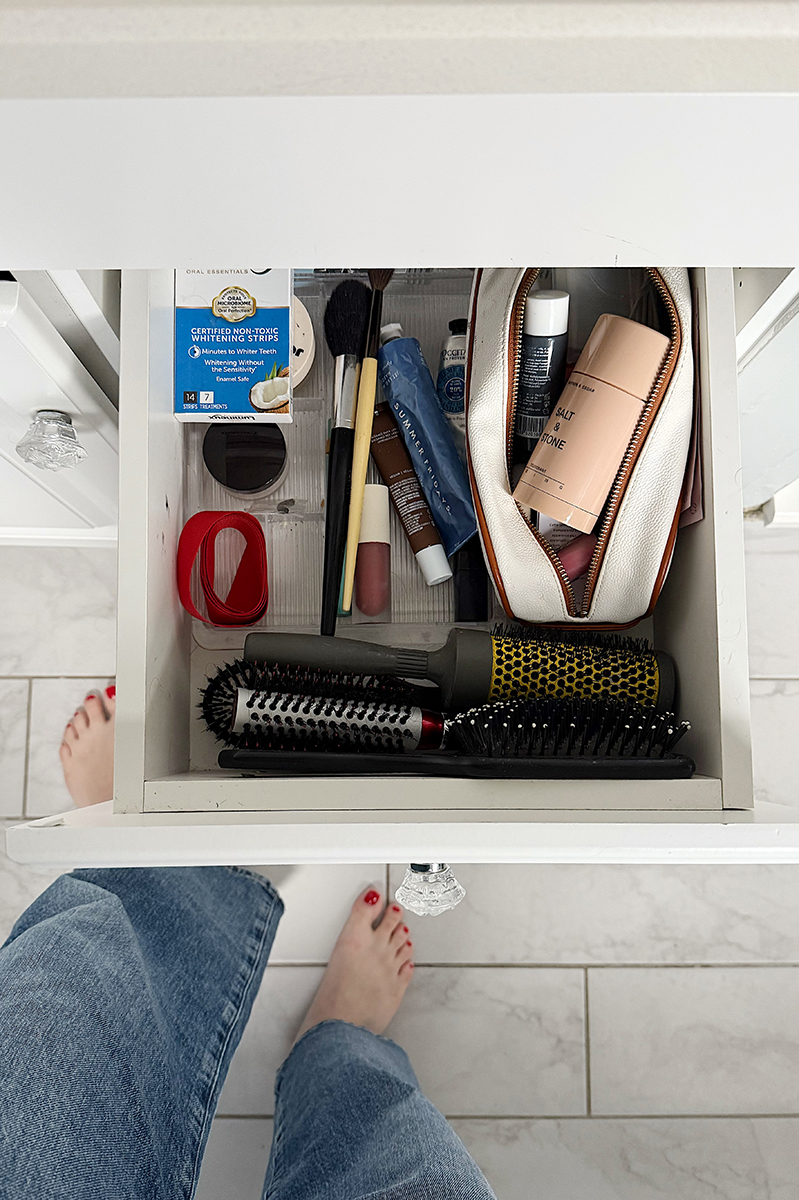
column 612, row 1032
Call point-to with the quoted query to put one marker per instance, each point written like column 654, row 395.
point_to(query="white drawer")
column 167, row 810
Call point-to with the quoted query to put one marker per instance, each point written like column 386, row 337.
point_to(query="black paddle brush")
column 346, row 319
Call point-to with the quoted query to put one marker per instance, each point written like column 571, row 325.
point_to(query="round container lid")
column 433, row 564
column 458, row 326
column 624, row 353
column 245, row 458
column 374, row 518
column 303, row 343
column 546, row 313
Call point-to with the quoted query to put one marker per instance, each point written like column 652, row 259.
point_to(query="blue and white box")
column 233, row 345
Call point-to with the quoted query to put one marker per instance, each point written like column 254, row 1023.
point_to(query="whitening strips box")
column 233, row 345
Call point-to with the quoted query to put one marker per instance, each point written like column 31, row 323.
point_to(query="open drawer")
column 173, row 804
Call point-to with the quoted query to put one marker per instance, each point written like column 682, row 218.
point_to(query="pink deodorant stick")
column 373, row 566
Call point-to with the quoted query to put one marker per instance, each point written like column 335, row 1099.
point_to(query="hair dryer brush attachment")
column 475, row 666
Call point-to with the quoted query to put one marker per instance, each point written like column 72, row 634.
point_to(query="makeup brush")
column 346, row 319
column 475, row 666
column 363, row 427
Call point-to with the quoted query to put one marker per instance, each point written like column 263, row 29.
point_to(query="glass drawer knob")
column 429, row 889
column 51, row 443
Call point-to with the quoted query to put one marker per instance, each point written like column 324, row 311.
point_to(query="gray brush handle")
column 461, row 668
column 334, row 654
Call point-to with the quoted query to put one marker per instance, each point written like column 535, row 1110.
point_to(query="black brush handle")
column 283, row 763
column 337, row 504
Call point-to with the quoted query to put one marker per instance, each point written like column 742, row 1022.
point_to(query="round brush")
column 346, row 319
column 265, row 717
column 475, row 666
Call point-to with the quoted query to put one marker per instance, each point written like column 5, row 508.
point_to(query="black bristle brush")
column 547, row 738
column 346, row 319
column 550, row 728
column 280, row 708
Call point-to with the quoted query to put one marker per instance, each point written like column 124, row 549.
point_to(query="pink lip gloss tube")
column 373, row 566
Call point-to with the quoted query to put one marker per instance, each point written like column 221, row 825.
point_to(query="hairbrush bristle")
column 551, row 728
column 346, row 318
column 279, row 721
column 380, row 279
column 572, row 637
column 219, row 696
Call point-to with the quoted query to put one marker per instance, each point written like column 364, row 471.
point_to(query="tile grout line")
column 570, row 966
column 26, row 770
column 594, row 1118
column 587, row 1027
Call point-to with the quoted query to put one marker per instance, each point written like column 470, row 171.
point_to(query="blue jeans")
column 123, row 995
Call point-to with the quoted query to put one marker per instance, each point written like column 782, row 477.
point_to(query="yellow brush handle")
column 360, row 461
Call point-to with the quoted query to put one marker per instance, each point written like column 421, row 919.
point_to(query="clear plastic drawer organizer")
column 293, row 515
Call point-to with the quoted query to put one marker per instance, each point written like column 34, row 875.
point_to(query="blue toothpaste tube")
column 409, row 389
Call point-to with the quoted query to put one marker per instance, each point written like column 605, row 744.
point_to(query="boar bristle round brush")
column 475, row 666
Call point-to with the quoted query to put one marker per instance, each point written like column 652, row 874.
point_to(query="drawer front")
column 165, row 762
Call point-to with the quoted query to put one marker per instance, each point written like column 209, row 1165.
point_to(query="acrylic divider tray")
column 293, row 515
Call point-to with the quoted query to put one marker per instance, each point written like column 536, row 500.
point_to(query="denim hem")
column 320, row 1025
column 263, row 926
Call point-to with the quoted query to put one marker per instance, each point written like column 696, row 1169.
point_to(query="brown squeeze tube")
column 395, row 467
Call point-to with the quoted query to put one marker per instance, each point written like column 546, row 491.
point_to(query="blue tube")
column 408, row 387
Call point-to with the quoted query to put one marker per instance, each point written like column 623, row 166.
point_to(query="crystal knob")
column 429, row 889
column 51, row 443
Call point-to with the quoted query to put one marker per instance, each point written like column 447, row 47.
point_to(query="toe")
column 392, row 921
column 64, row 753
column 399, row 934
column 405, row 972
column 94, row 708
column 70, row 735
column 80, row 721
column 404, row 950
column 367, row 906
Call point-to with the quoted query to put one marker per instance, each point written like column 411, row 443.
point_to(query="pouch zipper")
column 639, row 436
column 514, row 360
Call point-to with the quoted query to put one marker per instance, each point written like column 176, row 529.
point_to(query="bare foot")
column 87, row 751
column 368, row 971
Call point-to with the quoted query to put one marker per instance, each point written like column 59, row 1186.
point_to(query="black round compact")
column 246, row 458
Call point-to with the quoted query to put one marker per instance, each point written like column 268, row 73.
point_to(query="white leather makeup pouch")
column 638, row 527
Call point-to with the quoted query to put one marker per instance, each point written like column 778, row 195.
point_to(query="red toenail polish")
column 406, row 929
column 396, row 908
column 409, row 943
column 111, row 692
column 371, row 897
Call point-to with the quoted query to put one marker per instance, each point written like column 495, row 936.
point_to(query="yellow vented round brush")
column 475, row 666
